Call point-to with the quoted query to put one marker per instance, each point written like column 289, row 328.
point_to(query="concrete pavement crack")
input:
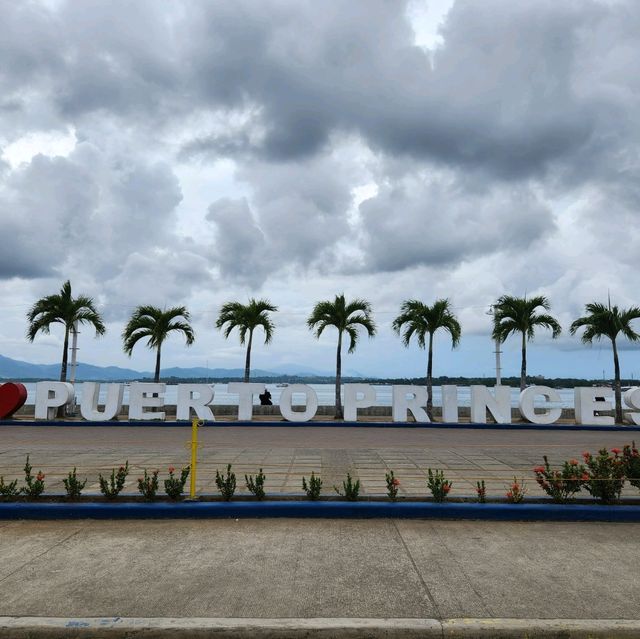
column 455, row 560
column 430, row 597
column 44, row 552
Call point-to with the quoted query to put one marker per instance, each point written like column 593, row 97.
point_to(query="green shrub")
column 256, row 486
column 562, row 484
column 516, row 492
column 148, row 485
column 604, row 476
column 313, row 488
column 438, row 485
column 226, row 484
column 350, row 489
column 174, row 486
column 8, row 490
column 112, row 487
column 632, row 464
column 392, row 485
column 34, row 485
column 73, row 485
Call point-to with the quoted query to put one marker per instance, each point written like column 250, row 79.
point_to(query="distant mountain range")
column 15, row 369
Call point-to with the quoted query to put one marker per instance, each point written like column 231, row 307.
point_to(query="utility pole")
column 74, row 352
column 74, row 364
column 497, row 352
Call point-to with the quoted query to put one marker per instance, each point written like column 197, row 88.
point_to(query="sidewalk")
column 371, row 571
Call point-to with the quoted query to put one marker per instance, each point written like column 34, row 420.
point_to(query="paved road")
column 288, row 453
column 321, row 568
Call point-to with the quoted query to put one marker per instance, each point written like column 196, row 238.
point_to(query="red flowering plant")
column 604, row 476
column 34, row 485
column 438, row 485
column 631, row 458
column 562, row 484
column 481, row 491
column 392, row 485
column 174, row 486
column 110, row 487
column 516, row 492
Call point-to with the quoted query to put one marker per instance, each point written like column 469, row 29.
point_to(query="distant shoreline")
column 557, row 382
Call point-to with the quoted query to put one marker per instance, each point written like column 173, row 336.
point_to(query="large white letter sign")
column 352, row 402
column 52, row 395
column 499, row 406
column 89, row 405
column 527, row 405
column 141, row 397
column 401, row 404
column 450, row 404
column 632, row 400
column 196, row 396
column 311, row 401
column 587, row 402
column 245, row 398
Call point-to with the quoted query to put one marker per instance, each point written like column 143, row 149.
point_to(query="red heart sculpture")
column 12, row 397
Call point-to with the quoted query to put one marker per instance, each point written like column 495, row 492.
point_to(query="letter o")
column 311, row 400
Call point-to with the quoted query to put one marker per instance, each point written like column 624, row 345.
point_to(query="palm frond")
column 518, row 314
column 63, row 308
column 603, row 320
column 421, row 320
column 247, row 317
column 155, row 324
column 345, row 317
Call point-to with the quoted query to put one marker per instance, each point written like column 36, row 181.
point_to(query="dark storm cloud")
column 522, row 101
column 500, row 95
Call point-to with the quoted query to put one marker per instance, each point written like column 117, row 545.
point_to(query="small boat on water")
column 281, row 385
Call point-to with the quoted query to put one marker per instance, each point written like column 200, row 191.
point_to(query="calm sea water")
column 325, row 392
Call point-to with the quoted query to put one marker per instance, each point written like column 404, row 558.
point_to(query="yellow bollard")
column 195, row 422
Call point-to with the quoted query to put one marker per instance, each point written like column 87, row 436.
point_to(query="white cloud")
column 196, row 152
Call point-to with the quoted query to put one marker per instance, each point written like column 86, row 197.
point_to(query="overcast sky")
column 169, row 153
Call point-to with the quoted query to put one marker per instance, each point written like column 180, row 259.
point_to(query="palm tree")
column 64, row 309
column 247, row 318
column 608, row 321
column 156, row 324
column 421, row 320
column 347, row 318
column 518, row 314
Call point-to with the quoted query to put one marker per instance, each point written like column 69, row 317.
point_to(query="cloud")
column 438, row 221
column 338, row 153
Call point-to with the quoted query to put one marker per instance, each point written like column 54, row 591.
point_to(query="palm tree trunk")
column 430, row 378
column 616, row 384
column 65, row 355
column 247, row 363
column 523, row 367
column 339, row 413
column 156, row 377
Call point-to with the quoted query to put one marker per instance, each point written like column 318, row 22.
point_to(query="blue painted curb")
column 315, row 424
column 321, row 509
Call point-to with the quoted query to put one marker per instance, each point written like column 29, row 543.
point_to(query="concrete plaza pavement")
column 286, row 454
column 320, row 569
